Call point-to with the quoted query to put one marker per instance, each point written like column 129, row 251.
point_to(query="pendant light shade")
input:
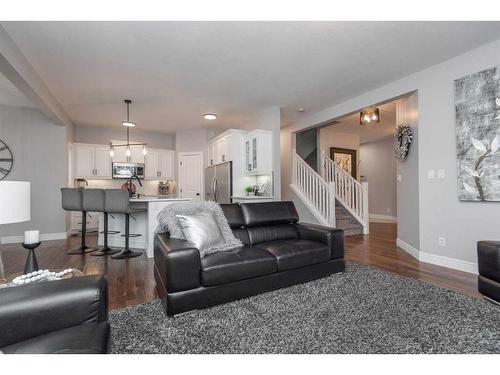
column 368, row 116
column 128, row 124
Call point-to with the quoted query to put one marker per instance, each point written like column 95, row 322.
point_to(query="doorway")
column 190, row 174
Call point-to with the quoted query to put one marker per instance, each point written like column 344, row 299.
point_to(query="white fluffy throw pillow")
column 169, row 222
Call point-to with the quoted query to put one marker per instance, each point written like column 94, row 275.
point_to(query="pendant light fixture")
column 128, row 124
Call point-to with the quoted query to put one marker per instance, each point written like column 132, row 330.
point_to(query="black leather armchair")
column 488, row 259
column 277, row 252
column 62, row 316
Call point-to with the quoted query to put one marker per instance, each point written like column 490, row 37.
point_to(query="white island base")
column 143, row 223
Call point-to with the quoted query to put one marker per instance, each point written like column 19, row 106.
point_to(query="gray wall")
column 378, row 165
column 95, row 135
column 440, row 213
column 40, row 156
column 408, row 193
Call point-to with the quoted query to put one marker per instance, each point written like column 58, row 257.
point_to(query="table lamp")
column 15, row 204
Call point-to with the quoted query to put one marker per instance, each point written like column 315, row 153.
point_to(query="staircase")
column 334, row 197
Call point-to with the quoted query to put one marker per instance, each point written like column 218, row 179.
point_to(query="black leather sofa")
column 488, row 258
column 277, row 252
column 63, row 316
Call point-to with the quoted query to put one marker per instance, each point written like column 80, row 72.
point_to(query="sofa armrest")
column 177, row 262
column 36, row 309
column 334, row 238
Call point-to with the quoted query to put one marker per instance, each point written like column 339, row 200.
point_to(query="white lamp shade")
column 14, row 202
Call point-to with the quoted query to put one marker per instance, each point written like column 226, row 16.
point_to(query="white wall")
column 378, row 164
column 440, row 212
column 95, row 135
column 40, row 156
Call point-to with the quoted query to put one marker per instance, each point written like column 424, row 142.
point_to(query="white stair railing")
column 352, row 194
column 317, row 194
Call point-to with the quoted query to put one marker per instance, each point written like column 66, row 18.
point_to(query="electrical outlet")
column 431, row 173
column 440, row 173
column 442, row 241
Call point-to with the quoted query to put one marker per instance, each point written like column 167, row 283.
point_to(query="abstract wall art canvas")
column 477, row 110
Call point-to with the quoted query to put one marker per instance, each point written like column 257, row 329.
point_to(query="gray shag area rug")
column 363, row 310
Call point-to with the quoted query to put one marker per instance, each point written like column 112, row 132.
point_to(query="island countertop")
column 157, row 198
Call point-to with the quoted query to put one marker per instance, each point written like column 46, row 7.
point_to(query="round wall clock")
column 6, row 160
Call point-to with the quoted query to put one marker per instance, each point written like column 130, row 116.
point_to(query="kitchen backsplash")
column 149, row 187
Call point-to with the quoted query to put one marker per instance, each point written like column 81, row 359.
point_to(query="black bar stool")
column 117, row 202
column 72, row 200
column 94, row 200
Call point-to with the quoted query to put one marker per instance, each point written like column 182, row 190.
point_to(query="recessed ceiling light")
column 128, row 124
column 209, row 116
column 301, row 109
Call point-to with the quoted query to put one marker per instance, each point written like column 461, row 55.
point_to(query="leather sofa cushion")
column 272, row 233
column 238, row 264
column 242, row 235
column 90, row 338
column 488, row 259
column 233, row 214
column 269, row 213
column 296, row 253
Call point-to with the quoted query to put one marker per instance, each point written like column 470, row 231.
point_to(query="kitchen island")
column 143, row 222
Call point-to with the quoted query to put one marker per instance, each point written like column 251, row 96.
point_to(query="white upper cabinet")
column 225, row 147
column 102, row 161
column 160, row 164
column 151, row 167
column 94, row 161
column 258, row 152
column 167, row 162
column 91, row 161
column 137, row 154
column 84, row 160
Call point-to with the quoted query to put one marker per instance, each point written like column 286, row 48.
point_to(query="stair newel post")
column 366, row 211
column 331, row 188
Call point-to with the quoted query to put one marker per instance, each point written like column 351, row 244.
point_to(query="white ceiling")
column 176, row 71
column 10, row 95
column 370, row 132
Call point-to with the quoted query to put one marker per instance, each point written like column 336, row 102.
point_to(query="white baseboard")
column 408, row 248
column 438, row 260
column 456, row 264
column 376, row 218
column 43, row 237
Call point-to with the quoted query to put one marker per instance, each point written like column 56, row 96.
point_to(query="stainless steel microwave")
column 127, row 170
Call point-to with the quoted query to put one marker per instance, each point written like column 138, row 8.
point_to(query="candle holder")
column 31, row 263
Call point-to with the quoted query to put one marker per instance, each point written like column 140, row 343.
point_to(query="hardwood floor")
column 131, row 281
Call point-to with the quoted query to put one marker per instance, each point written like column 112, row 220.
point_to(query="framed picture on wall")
column 346, row 158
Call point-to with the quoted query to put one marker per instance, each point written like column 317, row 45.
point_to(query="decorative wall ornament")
column 477, row 110
column 6, row 160
column 402, row 141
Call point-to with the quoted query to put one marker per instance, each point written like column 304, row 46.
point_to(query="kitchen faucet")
column 130, row 184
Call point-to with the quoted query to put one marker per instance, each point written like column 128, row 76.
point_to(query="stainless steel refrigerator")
column 219, row 183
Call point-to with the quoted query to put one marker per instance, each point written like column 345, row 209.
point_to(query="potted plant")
column 249, row 190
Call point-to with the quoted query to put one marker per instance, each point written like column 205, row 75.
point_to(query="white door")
column 84, row 161
column 152, row 164
column 102, row 162
column 166, row 164
column 191, row 174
